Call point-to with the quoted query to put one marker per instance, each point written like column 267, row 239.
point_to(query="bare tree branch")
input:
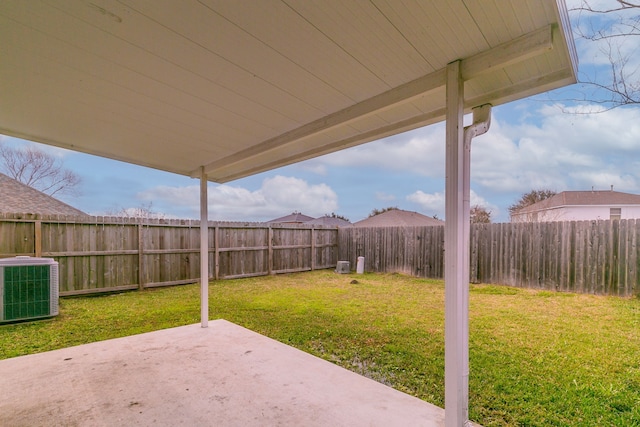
column 39, row 170
column 622, row 5
column 145, row 210
column 614, row 30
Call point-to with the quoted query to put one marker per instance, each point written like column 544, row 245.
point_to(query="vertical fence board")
column 598, row 257
column 99, row 254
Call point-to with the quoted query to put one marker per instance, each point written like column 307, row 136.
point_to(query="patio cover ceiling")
column 241, row 87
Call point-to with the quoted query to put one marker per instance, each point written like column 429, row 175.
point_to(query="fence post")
column 313, row 248
column 591, row 257
column 216, row 261
column 140, row 256
column 37, row 238
column 270, row 251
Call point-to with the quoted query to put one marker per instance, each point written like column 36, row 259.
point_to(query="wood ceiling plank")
column 104, row 58
column 484, row 14
column 241, row 61
column 175, row 61
column 110, row 114
column 67, row 74
column 307, row 64
column 417, row 27
column 364, row 33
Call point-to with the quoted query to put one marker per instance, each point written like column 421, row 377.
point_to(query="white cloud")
column 313, row 167
column 182, row 196
column 385, row 197
column 512, row 158
column 564, row 152
column 477, row 200
column 548, row 149
column 587, row 23
column 430, row 204
column 420, row 151
column 434, row 203
column 604, row 180
column 52, row 150
column 278, row 196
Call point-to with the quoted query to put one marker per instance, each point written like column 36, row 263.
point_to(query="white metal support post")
column 204, row 251
column 456, row 273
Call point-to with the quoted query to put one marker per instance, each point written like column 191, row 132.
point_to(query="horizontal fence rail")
column 104, row 254
column 417, row 251
column 597, row 257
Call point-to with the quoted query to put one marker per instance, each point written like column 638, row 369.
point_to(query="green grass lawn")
column 537, row 358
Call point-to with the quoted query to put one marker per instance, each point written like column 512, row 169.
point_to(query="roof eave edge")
column 565, row 28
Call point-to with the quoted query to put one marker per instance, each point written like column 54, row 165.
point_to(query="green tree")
column 383, row 210
column 335, row 215
column 480, row 215
column 527, row 199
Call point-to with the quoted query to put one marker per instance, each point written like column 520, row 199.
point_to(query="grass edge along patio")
column 537, row 357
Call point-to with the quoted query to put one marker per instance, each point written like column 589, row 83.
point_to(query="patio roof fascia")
column 567, row 34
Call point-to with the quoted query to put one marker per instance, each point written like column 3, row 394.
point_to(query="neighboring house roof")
column 295, row 217
column 16, row 197
column 399, row 218
column 330, row 220
column 582, row 198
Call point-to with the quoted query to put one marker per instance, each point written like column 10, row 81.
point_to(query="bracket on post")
column 480, row 125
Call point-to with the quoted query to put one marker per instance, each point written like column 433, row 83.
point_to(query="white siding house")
column 580, row 206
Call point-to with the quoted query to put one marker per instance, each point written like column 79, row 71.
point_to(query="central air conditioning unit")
column 343, row 267
column 28, row 288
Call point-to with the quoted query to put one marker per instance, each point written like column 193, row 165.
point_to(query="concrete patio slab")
column 224, row 375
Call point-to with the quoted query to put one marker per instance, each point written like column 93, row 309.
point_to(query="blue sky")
column 532, row 144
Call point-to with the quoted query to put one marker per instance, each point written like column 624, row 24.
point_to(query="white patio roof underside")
column 241, row 87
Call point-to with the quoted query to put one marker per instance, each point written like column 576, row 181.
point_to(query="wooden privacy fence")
column 103, row 254
column 417, row 251
column 598, row 257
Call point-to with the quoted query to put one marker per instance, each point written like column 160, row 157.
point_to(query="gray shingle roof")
column 583, row 198
column 295, row 217
column 398, row 218
column 16, row 197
